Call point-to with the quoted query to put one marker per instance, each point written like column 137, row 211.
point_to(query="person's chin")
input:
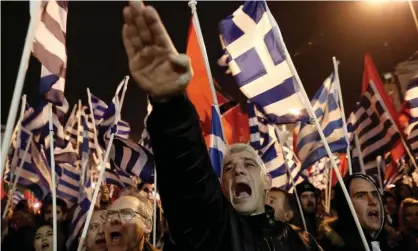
column 116, row 247
column 244, row 206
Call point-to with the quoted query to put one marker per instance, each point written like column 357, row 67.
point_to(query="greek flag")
column 217, row 143
column 256, row 57
column 374, row 128
column 264, row 140
column 68, row 187
column 80, row 213
column 309, row 146
column 49, row 48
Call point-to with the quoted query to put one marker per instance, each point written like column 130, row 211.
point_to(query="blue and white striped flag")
column 294, row 166
column 309, row 146
column 112, row 114
column 264, row 140
column 68, row 187
column 99, row 108
column 29, row 176
column 80, row 213
column 217, row 143
column 49, row 47
column 17, row 197
column 118, row 177
column 257, row 60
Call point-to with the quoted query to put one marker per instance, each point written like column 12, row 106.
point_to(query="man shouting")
column 202, row 213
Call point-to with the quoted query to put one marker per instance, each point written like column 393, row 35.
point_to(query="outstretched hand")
column 155, row 64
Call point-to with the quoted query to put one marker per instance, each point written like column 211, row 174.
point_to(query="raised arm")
column 191, row 196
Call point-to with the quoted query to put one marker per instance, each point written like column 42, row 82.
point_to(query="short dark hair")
column 289, row 203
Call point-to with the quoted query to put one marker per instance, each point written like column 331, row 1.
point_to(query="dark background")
column 313, row 32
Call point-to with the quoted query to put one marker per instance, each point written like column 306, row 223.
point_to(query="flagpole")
column 79, row 128
column 291, row 177
column 24, row 61
column 95, row 193
column 154, row 228
column 328, row 209
column 318, row 126
column 53, row 188
column 379, row 173
column 71, row 115
column 360, row 154
column 192, row 4
column 103, row 163
column 337, row 78
column 414, row 15
column 19, row 171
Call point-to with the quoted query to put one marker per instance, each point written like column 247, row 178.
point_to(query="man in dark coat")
column 203, row 215
column 341, row 234
column 309, row 202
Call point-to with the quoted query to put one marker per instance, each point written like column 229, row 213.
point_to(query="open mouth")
column 242, row 190
column 116, row 237
column 45, row 245
column 100, row 241
column 374, row 214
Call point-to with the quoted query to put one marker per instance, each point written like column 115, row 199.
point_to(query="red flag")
column 235, row 123
column 198, row 91
column 371, row 76
column 343, row 169
column 236, row 127
column 3, row 192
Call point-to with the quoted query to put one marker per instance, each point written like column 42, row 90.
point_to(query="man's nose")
column 115, row 221
column 239, row 170
column 372, row 200
column 100, row 229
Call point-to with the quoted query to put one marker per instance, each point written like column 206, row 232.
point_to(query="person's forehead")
column 307, row 193
column 125, row 202
column 44, row 229
column 359, row 184
column 49, row 207
column 243, row 155
column 275, row 194
column 149, row 185
column 96, row 216
column 412, row 208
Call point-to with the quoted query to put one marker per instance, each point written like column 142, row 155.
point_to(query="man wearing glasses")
column 128, row 224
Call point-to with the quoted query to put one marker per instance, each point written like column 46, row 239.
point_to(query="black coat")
column 199, row 215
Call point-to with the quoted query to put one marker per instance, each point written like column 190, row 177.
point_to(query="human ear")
column 267, row 182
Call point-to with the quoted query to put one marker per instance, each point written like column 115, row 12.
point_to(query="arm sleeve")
column 197, row 212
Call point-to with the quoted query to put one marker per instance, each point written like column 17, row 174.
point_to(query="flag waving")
column 49, row 48
column 310, row 148
column 258, row 63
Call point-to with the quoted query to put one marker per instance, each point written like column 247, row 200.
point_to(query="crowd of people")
column 197, row 211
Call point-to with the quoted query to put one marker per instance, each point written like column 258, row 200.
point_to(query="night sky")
column 96, row 57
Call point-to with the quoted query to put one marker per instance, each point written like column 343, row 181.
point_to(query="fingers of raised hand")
column 131, row 39
column 138, row 8
column 157, row 29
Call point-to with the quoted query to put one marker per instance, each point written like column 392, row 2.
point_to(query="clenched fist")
column 155, row 64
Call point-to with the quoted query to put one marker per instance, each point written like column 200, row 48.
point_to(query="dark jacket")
column 200, row 217
column 341, row 234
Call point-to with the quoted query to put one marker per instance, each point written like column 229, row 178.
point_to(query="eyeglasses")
column 125, row 214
